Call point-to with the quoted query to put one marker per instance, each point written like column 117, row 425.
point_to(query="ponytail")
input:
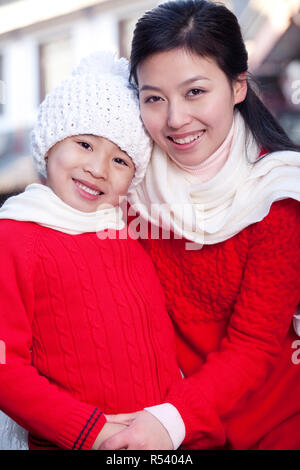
column 266, row 130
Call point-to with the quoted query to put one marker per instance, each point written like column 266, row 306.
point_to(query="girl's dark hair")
column 209, row 30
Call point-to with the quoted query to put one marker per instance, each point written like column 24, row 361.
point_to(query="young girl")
column 82, row 312
column 220, row 153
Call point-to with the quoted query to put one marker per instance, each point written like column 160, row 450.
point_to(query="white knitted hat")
column 97, row 99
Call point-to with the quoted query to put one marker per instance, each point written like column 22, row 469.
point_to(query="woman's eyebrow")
column 194, row 79
column 186, row 82
column 149, row 87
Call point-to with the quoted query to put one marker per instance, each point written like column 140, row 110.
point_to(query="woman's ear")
column 240, row 88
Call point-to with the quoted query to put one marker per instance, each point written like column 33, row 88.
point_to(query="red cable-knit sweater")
column 232, row 304
column 85, row 330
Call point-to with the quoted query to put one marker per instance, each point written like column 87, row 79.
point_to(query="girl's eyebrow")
column 186, row 82
column 84, row 136
column 90, row 138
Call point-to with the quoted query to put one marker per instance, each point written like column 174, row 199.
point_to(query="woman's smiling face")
column 187, row 103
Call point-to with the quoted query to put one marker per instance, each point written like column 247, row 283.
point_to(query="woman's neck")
column 206, row 170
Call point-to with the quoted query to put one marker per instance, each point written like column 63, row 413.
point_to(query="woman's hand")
column 143, row 432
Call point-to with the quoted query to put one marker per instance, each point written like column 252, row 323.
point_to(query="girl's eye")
column 195, row 92
column 85, row 145
column 152, row 99
column 120, row 161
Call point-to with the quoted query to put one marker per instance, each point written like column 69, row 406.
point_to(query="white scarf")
column 210, row 212
column 213, row 211
column 38, row 203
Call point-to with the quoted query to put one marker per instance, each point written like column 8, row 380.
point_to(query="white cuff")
column 296, row 322
column 170, row 418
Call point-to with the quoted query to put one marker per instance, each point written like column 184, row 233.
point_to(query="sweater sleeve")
column 29, row 398
column 269, row 294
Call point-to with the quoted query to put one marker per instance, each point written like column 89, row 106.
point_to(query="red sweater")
column 232, row 304
column 85, row 329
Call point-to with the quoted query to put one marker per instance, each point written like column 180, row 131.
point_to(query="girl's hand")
column 143, row 432
column 108, row 430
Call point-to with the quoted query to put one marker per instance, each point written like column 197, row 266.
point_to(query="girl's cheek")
column 66, row 160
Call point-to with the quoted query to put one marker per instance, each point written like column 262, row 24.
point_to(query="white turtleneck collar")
column 207, row 169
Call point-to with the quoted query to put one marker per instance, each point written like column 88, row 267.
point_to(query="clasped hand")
column 141, row 431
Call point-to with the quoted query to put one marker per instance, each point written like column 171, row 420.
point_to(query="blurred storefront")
column 41, row 41
column 272, row 32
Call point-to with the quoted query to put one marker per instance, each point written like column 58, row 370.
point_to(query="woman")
column 226, row 177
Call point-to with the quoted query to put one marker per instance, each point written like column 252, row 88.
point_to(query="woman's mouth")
column 186, row 141
column 87, row 191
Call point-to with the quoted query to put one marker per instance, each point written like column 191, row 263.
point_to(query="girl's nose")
column 97, row 165
column 178, row 115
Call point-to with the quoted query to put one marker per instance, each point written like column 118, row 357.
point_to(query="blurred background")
column 41, row 41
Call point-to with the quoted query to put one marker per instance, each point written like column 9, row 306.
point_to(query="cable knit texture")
column 86, row 332
column 232, row 304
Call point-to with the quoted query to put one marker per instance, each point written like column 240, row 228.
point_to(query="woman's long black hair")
column 209, row 30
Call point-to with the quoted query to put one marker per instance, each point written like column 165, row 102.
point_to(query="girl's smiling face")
column 88, row 172
column 187, row 103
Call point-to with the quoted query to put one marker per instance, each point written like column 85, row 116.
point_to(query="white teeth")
column 188, row 139
column 88, row 190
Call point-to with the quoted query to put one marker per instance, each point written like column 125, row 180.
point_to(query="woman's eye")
column 120, row 161
column 195, row 92
column 152, row 99
column 85, row 145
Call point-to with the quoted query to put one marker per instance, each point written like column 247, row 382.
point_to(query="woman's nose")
column 178, row 115
column 98, row 166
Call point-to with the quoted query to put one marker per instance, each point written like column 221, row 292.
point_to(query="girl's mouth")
column 87, row 192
